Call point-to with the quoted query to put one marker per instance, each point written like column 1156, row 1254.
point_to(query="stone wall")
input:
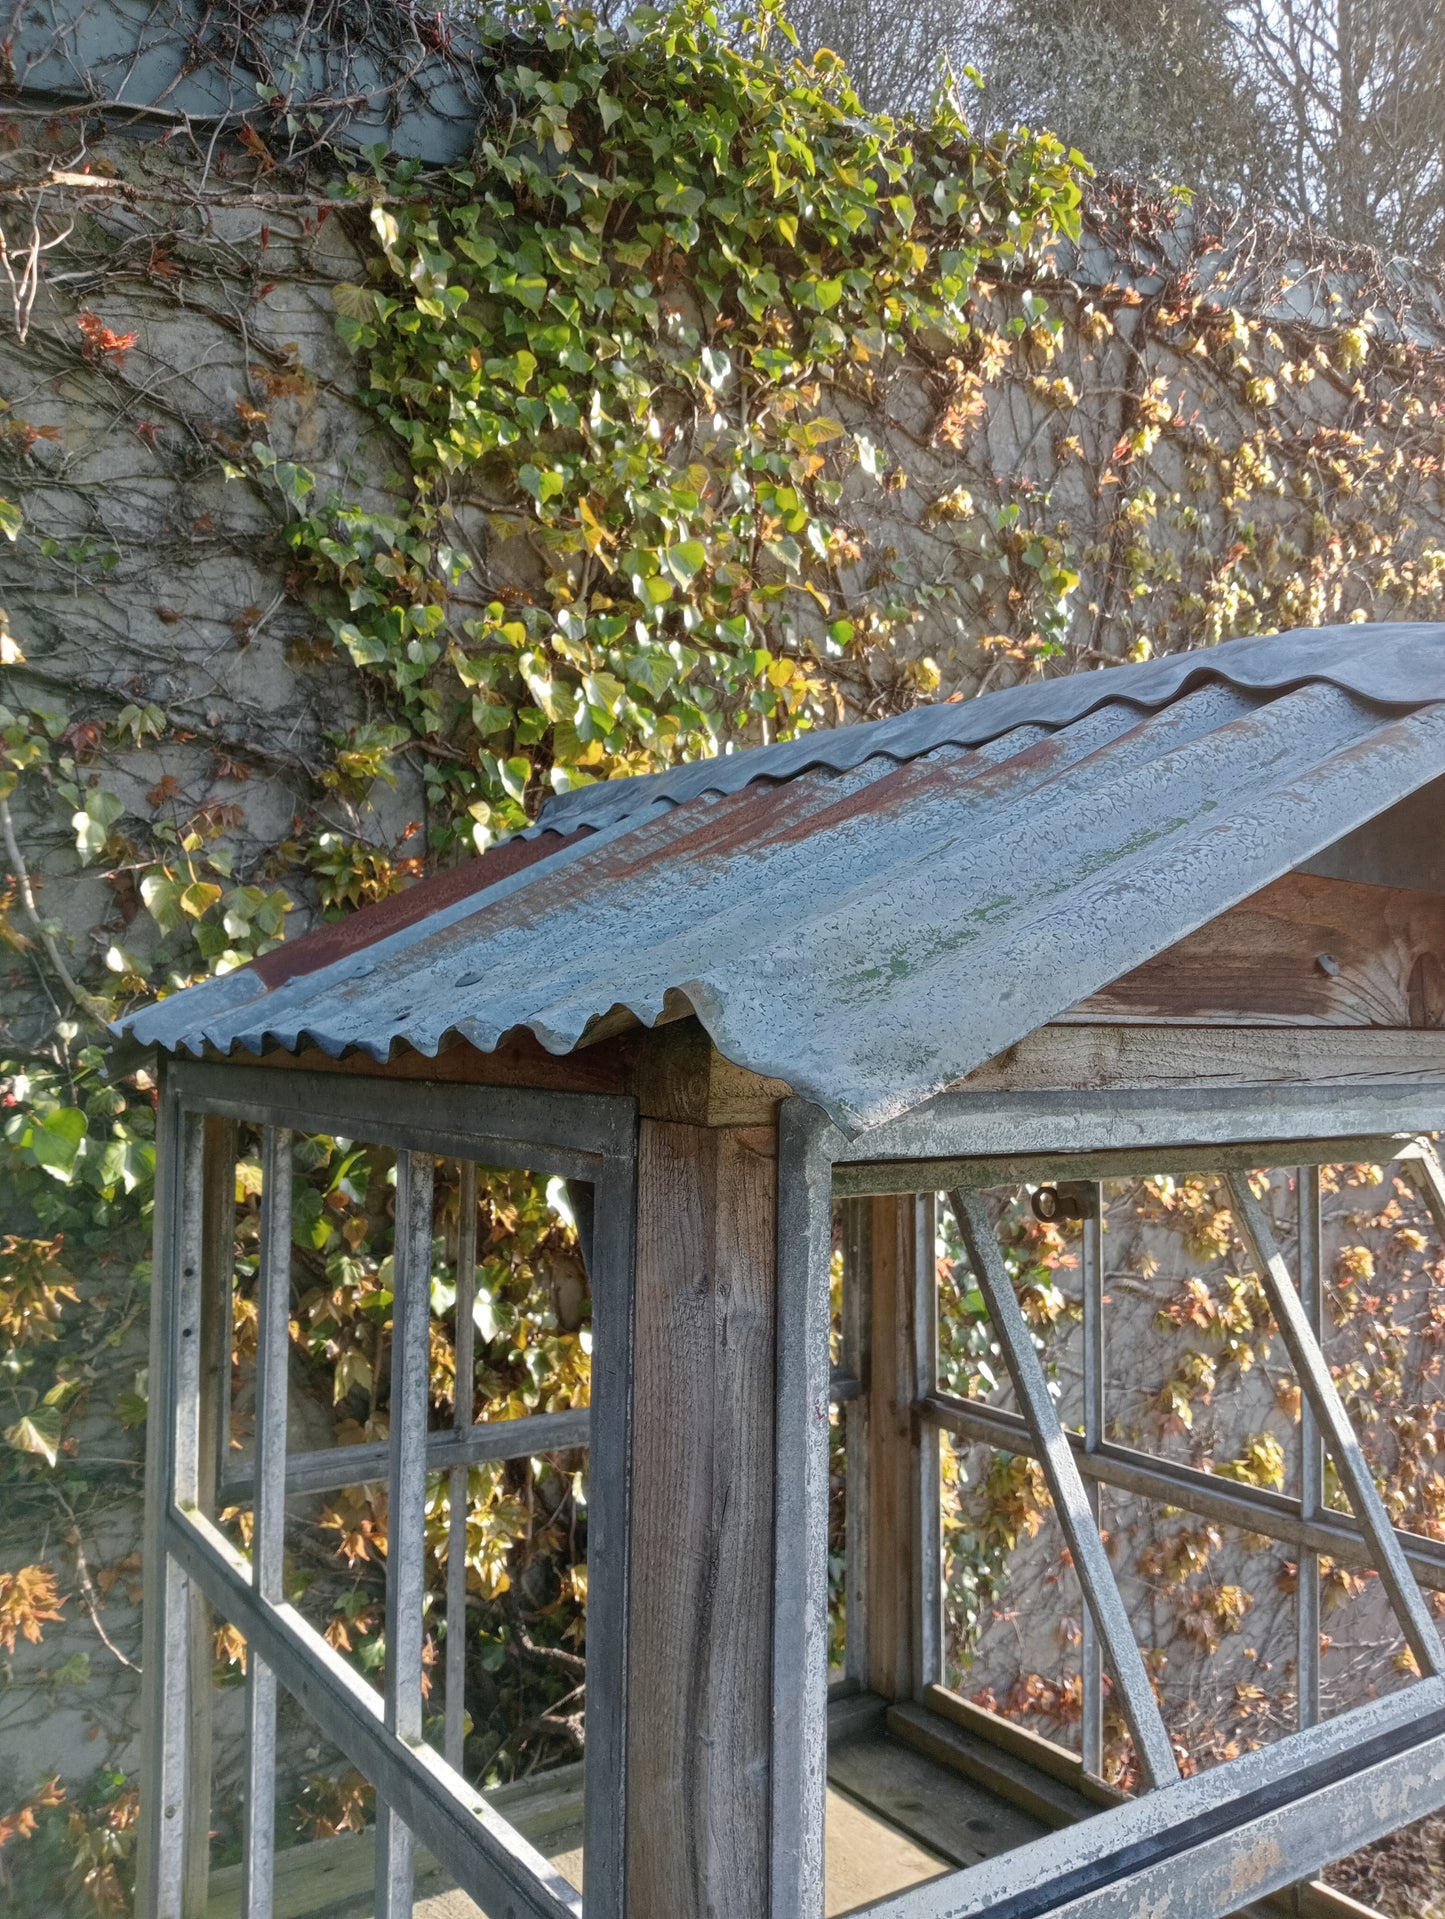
column 1183, row 429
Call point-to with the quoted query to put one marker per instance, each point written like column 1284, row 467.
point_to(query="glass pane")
column 1012, row 1604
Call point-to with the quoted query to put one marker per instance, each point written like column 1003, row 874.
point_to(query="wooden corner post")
column 700, row 1639
column 185, row 1439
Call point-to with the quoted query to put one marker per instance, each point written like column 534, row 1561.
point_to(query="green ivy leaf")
column 93, row 823
column 162, row 896
column 53, row 1139
column 685, row 561
column 38, row 1432
column 198, row 898
column 541, row 482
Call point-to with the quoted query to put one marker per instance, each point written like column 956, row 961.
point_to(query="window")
column 1098, row 1424
column 434, row 1139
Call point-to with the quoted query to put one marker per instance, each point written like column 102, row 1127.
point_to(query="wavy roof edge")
column 1385, row 664
column 1266, row 751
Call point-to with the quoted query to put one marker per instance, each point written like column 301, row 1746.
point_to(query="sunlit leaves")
column 38, row 1432
column 685, row 561
column 93, row 823
column 623, row 354
column 29, row 1601
column 51, row 1138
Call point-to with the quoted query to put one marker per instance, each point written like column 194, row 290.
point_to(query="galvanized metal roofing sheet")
column 874, row 920
column 1396, row 664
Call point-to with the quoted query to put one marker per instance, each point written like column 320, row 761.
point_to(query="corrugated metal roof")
column 1394, row 663
column 871, row 914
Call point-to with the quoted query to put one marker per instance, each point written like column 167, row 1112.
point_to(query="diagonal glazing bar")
column 1071, row 1503
column 1311, row 1453
column 1090, row 1653
column 1318, row 1386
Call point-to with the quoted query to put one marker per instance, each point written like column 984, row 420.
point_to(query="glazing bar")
column 186, row 1381
column 406, row 1507
column 218, row 1278
column 1338, row 1434
column 268, row 1538
column 1311, row 1452
column 164, row 1871
column 488, row 1440
column 465, row 1356
column 928, row 1488
column 857, row 1330
column 612, row 1276
column 491, row 1862
column 1096, row 1576
column 1424, row 1169
column 1092, row 1280
column 1252, row 1508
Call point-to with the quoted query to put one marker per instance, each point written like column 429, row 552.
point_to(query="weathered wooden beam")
column 674, row 1071
column 1333, row 952
column 1098, row 1056
column 1215, row 1843
column 169, row 1876
column 699, row 1686
column 520, row 1060
column 800, row 1630
column 218, row 1252
column 856, row 1218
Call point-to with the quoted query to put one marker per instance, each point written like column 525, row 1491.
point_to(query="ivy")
column 651, row 375
column 629, row 353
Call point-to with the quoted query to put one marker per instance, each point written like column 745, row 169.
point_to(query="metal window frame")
column 189, row 1562
column 1219, row 1839
column 1066, row 1487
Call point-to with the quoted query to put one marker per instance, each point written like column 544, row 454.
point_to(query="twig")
column 90, row 1598
column 25, row 286
column 83, row 1000
column 555, row 1656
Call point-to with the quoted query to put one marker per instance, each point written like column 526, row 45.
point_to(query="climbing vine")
column 629, row 352
column 624, row 361
column 696, row 408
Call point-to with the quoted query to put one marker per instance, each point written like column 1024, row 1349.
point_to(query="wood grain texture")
column 892, row 1608
column 218, row 1249
column 702, row 1547
column 1094, row 1057
column 675, row 1072
column 1305, row 950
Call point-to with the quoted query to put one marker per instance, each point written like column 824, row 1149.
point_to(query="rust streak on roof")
column 335, row 939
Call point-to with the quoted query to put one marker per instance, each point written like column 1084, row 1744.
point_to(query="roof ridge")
column 1360, row 659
